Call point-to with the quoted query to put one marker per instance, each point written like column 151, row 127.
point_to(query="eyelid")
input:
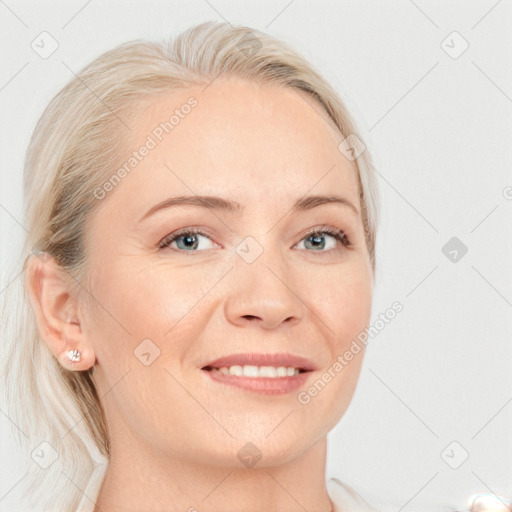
column 337, row 233
column 182, row 231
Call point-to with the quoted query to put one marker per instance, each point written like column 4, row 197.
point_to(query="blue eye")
column 189, row 237
column 318, row 234
column 316, row 237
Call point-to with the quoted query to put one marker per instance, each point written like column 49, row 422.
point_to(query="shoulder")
column 90, row 493
column 346, row 498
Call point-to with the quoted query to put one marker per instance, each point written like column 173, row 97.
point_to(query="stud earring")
column 73, row 356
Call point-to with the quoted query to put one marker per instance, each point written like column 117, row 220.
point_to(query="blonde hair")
column 72, row 152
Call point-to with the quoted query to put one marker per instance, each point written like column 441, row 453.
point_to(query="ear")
column 57, row 312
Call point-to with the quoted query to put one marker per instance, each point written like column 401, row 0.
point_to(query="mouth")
column 254, row 371
column 270, row 374
column 266, row 362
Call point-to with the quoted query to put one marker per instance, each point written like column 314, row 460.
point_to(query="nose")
column 262, row 294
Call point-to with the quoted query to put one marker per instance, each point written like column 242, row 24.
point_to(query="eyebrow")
column 220, row 203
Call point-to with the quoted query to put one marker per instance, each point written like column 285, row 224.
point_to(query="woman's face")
column 254, row 281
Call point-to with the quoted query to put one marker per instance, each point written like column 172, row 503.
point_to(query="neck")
column 139, row 479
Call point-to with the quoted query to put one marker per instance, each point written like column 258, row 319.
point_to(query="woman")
column 199, row 262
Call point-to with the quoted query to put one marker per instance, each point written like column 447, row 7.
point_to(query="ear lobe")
column 56, row 313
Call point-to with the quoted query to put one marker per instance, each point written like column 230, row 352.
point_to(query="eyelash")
column 338, row 234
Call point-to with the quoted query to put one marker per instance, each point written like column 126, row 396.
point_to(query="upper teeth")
column 259, row 371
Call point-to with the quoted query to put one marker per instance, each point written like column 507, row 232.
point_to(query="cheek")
column 156, row 302
column 345, row 307
column 343, row 300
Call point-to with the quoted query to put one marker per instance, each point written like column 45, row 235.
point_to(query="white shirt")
column 344, row 497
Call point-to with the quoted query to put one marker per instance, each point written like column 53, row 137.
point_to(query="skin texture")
column 175, row 433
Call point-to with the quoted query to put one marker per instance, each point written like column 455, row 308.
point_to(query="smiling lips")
column 253, row 359
column 265, row 373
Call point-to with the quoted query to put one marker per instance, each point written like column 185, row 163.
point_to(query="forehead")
column 255, row 143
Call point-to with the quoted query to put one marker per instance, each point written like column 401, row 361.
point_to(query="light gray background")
column 439, row 130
